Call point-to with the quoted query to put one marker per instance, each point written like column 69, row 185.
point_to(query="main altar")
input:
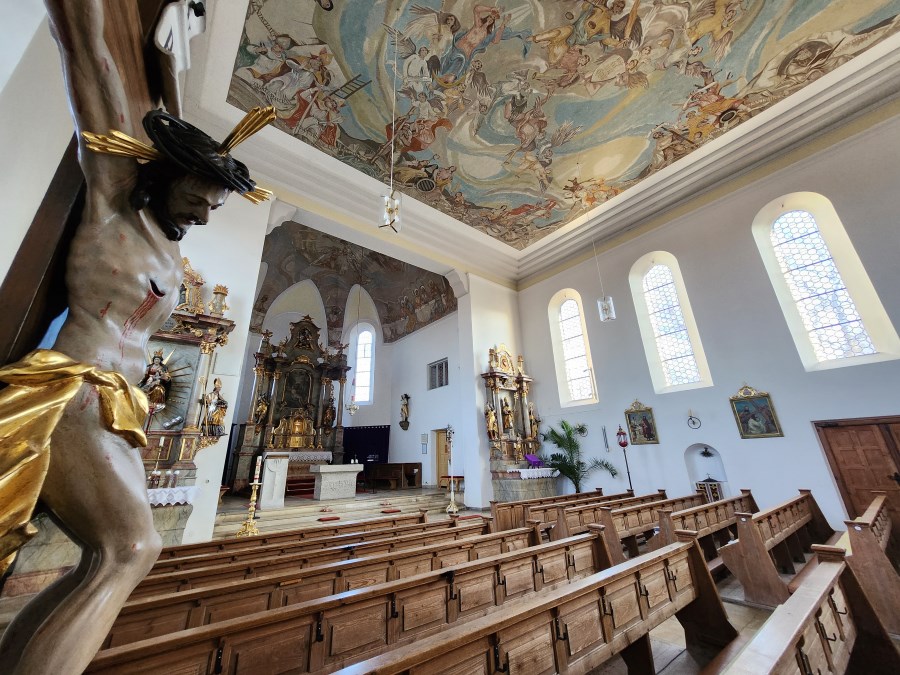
column 294, row 417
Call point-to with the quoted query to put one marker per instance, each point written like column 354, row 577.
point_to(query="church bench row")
column 827, row 626
column 325, row 634
column 782, row 532
column 623, row 520
column 213, row 602
column 866, row 543
column 510, row 515
column 223, row 571
column 714, row 524
column 287, row 547
column 575, row 628
column 548, row 514
column 232, row 543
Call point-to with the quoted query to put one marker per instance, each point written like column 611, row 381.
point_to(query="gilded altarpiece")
column 297, row 388
column 512, row 429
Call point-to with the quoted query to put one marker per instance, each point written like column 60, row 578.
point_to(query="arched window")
column 831, row 307
column 574, row 372
column 671, row 340
column 363, row 369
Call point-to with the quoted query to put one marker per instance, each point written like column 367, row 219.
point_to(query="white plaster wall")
column 36, row 124
column 227, row 251
column 744, row 333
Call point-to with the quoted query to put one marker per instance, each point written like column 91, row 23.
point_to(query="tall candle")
column 258, row 467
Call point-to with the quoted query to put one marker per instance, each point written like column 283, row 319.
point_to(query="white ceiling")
column 341, row 201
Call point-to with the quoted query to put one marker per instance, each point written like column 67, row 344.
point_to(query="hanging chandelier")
column 605, row 305
column 391, row 216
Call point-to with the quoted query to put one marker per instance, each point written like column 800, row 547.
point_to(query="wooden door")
column 864, row 456
column 442, row 465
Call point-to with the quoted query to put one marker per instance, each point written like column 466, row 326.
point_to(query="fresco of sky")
column 515, row 117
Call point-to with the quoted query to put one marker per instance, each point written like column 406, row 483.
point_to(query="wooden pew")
column 321, row 635
column 424, row 530
column 576, row 628
column 510, row 515
column 781, row 533
column 827, row 626
column 316, row 531
column 867, row 538
column 220, row 572
column 548, row 514
column 714, row 524
column 152, row 615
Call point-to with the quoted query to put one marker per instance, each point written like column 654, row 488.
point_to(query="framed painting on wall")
column 754, row 414
column 641, row 424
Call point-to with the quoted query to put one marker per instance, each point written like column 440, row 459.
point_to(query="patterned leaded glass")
column 578, row 374
column 676, row 354
column 363, row 377
column 828, row 312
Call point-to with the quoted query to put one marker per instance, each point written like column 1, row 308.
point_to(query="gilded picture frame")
column 641, row 424
column 754, row 414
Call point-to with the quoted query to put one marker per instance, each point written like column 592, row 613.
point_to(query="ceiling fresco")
column 515, row 117
column 407, row 297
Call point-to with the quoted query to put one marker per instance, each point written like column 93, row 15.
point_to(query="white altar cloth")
column 543, row 472
column 172, row 495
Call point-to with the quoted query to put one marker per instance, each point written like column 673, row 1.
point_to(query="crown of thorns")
column 188, row 147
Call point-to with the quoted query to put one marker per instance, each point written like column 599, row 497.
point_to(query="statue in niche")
column 260, row 410
column 328, row 415
column 216, row 408
column 123, row 279
column 156, row 381
column 490, row 418
column 507, row 413
column 533, row 420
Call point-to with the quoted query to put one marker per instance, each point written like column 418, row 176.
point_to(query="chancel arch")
column 829, row 303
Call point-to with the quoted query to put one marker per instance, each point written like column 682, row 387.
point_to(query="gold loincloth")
column 40, row 386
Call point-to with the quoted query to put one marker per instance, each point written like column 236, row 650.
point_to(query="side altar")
column 294, row 415
column 512, row 430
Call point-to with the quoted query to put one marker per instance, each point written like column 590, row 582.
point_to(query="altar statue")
column 123, row 278
column 216, row 408
column 507, row 414
column 490, row 418
column 156, row 381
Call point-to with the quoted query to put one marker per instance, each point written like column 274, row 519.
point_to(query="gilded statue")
column 533, row 420
column 216, row 408
column 123, row 278
column 156, row 381
column 490, row 418
column 259, row 412
column 328, row 415
column 507, row 414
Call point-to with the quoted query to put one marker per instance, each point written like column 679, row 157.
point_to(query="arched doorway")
column 704, row 463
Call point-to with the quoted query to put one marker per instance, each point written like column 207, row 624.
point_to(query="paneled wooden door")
column 864, row 455
column 442, row 464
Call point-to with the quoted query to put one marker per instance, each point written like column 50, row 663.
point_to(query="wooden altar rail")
column 714, row 524
column 509, row 515
column 867, row 538
column 291, row 560
column 154, row 615
column 322, row 635
column 782, row 532
column 577, row 627
column 233, row 543
column 297, row 546
column 827, row 626
column 548, row 514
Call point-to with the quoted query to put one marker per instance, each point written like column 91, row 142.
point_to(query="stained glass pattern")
column 673, row 343
column 828, row 312
column 578, row 374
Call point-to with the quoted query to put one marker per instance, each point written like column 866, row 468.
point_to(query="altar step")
column 303, row 512
column 304, row 486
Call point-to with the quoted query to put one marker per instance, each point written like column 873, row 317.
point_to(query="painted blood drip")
column 138, row 314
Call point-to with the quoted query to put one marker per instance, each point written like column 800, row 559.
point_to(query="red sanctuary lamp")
column 622, row 437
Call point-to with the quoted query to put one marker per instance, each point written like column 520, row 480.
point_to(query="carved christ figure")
column 123, row 277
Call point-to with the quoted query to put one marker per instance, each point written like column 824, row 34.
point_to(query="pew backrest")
column 706, row 518
column 876, row 520
column 633, row 520
column 217, row 573
column 318, row 531
column 576, row 517
column 242, row 556
column 509, row 515
column 775, row 524
column 323, row 634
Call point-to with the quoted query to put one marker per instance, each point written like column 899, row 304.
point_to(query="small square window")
column 437, row 374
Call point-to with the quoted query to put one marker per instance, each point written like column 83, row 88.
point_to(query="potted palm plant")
column 568, row 460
